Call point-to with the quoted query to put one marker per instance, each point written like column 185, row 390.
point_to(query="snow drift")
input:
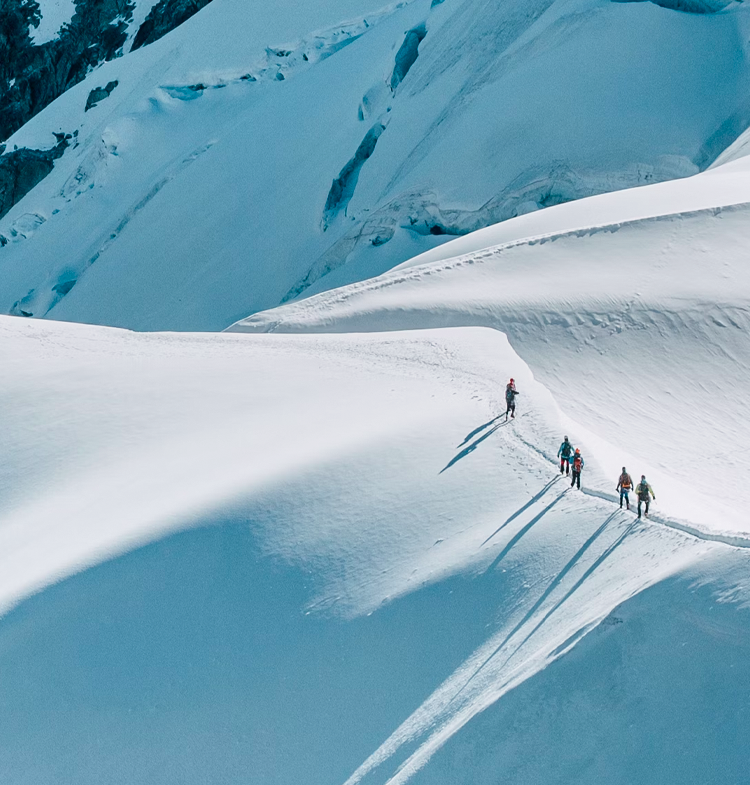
column 638, row 327
column 327, row 557
column 318, row 557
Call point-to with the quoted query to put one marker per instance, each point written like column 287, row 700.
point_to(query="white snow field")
column 348, row 137
column 638, row 326
column 311, row 549
column 323, row 559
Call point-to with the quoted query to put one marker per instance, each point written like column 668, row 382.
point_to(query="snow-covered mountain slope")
column 726, row 184
column 637, row 327
column 326, row 560
column 346, row 139
column 48, row 46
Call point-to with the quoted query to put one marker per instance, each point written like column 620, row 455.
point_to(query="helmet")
column 566, row 438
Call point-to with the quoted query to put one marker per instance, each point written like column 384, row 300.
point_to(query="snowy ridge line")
column 397, row 277
column 281, row 61
column 422, row 212
column 725, row 538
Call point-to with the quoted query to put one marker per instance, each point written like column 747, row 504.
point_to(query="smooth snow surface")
column 320, row 554
column 265, row 151
column 328, row 558
column 638, row 326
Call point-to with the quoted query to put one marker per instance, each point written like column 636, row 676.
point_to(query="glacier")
column 262, row 516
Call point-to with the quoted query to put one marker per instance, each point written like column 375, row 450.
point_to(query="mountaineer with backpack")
column 577, row 468
column 643, row 489
column 510, row 399
column 624, row 486
column 564, row 453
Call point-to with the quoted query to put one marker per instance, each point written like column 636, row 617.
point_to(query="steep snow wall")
column 637, row 327
column 246, row 172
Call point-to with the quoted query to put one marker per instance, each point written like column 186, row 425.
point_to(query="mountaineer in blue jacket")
column 564, row 453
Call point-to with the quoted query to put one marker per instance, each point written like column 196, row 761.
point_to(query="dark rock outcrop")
column 31, row 77
column 165, row 16
column 99, row 94
column 21, row 170
column 35, row 75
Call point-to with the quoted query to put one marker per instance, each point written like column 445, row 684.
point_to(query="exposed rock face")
column 165, row 16
column 31, row 77
column 21, row 170
column 99, row 94
column 35, row 75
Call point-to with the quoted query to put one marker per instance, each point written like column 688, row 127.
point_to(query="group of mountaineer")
column 572, row 463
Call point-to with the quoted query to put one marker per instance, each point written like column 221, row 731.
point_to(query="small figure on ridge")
column 643, row 489
column 564, row 453
column 624, row 486
column 577, row 469
column 510, row 399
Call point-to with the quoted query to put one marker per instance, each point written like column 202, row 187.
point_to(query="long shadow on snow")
column 554, row 583
column 523, row 509
column 470, row 436
column 657, row 696
column 506, row 550
column 192, row 660
column 473, row 446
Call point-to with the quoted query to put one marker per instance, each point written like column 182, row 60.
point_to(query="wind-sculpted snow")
column 637, row 328
column 300, row 557
column 620, row 707
column 490, row 110
column 330, row 558
column 687, row 6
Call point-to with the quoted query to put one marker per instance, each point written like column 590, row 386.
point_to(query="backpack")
column 625, row 482
column 577, row 463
